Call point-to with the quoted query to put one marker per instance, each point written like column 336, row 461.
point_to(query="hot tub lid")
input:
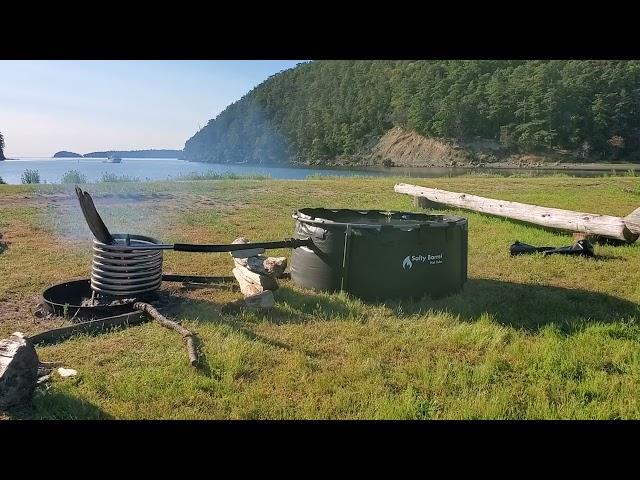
column 373, row 218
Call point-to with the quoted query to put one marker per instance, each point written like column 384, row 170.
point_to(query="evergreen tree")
column 2, row 157
column 320, row 110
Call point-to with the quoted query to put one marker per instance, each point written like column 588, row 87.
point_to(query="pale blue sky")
column 83, row 106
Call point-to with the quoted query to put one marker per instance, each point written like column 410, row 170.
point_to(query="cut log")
column 252, row 283
column 18, row 370
column 589, row 223
column 261, row 300
column 271, row 266
column 256, row 276
column 632, row 221
column 275, row 266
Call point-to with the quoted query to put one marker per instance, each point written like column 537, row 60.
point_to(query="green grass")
column 528, row 337
column 108, row 177
column 211, row 175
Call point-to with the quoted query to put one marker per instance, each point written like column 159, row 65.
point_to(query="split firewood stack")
column 257, row 274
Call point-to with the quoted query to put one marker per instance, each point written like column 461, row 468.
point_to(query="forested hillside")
column 322, row 111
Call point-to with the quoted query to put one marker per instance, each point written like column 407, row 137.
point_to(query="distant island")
column 136, row 154
column 65, row 154
column 123, row 154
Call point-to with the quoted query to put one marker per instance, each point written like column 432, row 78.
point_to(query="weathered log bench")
column 626, row 229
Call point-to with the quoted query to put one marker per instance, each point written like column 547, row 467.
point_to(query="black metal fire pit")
column 69, row 299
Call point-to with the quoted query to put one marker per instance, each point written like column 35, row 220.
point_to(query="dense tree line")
column 2, row 157
column 322, row 110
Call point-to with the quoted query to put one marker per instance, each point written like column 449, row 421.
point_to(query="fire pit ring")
column 66, row 298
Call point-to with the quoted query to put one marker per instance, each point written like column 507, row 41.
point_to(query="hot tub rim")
column 299, row 216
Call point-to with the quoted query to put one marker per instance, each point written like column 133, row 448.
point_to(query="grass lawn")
column 528, row 337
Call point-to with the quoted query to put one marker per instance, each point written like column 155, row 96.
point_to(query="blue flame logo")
column 407, row 263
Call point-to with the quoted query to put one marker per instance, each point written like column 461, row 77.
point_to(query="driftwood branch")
column 165, row 322
column 626, row 229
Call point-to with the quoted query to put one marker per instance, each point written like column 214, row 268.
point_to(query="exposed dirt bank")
column 409, row 149
column 404, row 148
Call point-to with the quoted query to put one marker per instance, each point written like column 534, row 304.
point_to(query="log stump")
column 256, row 274
column 271, row 266
column 18, row 370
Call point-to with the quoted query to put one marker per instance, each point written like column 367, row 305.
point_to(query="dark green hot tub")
column 377, row 255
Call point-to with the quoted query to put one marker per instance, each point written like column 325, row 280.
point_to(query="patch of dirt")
column 409, row 149
column 18, row 315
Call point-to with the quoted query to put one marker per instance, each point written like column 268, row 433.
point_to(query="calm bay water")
column 51, row 170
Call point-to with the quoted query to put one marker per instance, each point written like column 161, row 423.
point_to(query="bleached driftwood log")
column 626, row 229
column 18, row 370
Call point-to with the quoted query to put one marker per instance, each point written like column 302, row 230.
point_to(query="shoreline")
column 618, row 167
column 565, row 166
column 369, row 166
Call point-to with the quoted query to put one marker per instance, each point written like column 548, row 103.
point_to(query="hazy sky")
column 84, row 106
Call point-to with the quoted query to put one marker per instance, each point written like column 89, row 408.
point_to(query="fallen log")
column 626, row 229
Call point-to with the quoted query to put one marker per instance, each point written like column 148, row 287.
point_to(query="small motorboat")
column 112, row 159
